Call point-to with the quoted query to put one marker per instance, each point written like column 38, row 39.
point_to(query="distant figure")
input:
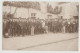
column 45, row 27
column 64, row 27
column 32, row 30
column 43, row 24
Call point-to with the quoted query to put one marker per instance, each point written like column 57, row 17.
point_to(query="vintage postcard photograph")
column 40, row 26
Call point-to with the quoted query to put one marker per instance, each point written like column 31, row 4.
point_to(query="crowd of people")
column 12, row 27
column 64, row 26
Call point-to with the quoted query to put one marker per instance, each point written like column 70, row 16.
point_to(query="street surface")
column 43, row 42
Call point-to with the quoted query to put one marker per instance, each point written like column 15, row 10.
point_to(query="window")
column 33, row 15
column 76, row 17
column 49, row 16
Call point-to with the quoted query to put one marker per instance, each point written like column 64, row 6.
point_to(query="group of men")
column 62, row 26
column 21, row 28
column 13, row 28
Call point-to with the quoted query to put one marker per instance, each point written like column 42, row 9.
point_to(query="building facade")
column 69, row 10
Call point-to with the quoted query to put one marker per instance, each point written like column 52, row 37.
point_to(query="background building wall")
column 24, row 12
column 69, row 10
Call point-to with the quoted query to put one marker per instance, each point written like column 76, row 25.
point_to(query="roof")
column 63, row 2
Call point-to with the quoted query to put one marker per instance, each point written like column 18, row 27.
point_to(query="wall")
column 25, row 13
column 69, row 10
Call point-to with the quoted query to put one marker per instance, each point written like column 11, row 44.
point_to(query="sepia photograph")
column 40, row 26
